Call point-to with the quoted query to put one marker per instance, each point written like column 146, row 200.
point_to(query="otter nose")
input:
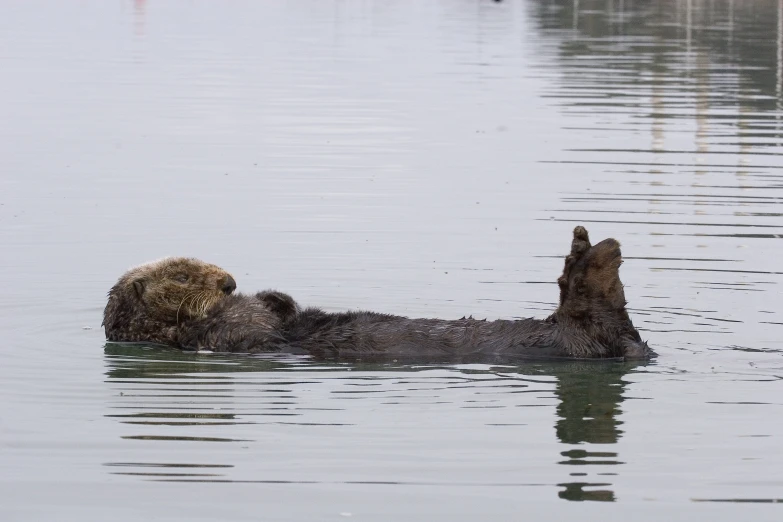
column 229, row 285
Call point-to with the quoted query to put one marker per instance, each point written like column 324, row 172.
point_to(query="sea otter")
column 190, row 304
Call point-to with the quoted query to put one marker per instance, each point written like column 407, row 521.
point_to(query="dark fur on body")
column 242, row 324
column 590, row 322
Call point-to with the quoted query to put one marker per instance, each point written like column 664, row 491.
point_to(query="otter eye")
column 182, row 278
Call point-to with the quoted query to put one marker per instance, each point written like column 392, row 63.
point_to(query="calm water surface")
column 426, row 158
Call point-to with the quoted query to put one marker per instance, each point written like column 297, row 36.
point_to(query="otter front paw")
column 283, row 305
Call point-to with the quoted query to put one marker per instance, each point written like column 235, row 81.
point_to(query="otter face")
column 174, row 289
column 591, row 278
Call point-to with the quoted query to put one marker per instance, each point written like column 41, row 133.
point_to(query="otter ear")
column 138, row 287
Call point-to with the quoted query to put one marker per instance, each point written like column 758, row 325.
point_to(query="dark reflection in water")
column 589, row 397
column 589, row 412
column 169, row 388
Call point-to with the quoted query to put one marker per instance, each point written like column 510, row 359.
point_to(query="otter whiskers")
column 199, row 304
column 187, row 296
column 204, row 303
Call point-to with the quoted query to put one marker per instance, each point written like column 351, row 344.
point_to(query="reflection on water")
column 160, row 391
column 589, row 413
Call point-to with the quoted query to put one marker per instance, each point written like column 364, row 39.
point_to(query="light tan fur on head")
column 178, row 288
column 156, row 296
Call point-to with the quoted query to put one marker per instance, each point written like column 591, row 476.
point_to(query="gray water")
column 421, row 157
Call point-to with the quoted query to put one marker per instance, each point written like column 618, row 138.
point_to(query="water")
column 420, row 158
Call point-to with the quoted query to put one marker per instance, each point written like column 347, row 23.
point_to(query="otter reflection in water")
column 589, row 414
column 233, row 392
column 190, row 304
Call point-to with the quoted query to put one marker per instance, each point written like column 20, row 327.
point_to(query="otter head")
column 592, row 296
column 149, row 301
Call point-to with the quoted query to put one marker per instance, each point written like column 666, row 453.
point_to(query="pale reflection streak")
column 779, row 84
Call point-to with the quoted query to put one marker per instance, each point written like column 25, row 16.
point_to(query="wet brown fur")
column 590, row 322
